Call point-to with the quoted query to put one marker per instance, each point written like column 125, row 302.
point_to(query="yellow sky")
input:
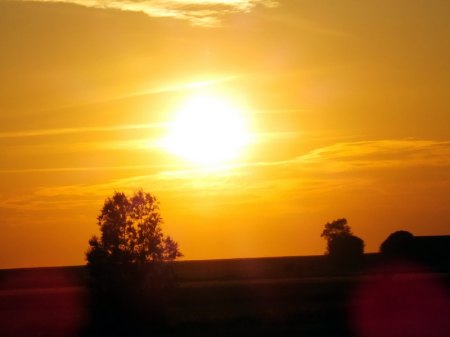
column 347, row 102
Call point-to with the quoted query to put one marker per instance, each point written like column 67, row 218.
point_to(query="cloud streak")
column 379, row 154
column 343, row 156
column 197, row 12
column 64, row 131
column 313, row 173
column 84, row 169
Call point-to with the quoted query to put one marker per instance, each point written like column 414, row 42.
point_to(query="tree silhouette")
column 344, row 248
column 129, row 264
column 335, row 229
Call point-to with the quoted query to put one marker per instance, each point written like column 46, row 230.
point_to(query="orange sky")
column 347, row 102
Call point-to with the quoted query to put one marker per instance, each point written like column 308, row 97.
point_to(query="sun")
column 207, row 130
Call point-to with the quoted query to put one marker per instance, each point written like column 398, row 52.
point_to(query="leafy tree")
column 129, row 264
column 344, row 248
column 131, row 231
column 335, row 229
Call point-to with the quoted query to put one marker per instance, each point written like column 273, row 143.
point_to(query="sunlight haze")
column 207, row 130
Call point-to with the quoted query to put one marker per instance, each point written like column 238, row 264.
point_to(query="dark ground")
column 300, row 296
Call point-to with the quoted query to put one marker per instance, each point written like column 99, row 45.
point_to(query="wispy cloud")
column 339, row 156
column 63, row 131
column 198, row 12
column 314, row 172
column 374, row 154
column 84, row 169
column 184, row 86
column 380, row 153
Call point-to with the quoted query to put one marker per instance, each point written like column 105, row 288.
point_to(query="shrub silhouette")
column 129, row 264
column 334, row 229
column 343, row 248
column 346, row 246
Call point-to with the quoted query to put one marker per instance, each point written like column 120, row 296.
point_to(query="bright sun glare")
column 207, row 130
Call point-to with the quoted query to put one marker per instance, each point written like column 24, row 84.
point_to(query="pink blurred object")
column 401, row 300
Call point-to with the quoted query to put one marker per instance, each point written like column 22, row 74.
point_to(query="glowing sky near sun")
column 336, row 109
column 207, row 130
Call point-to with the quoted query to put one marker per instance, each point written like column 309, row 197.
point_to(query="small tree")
column 344, row 248
column 130, row 262
column 335, row 229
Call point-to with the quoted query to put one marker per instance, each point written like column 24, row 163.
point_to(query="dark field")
column 298, row 296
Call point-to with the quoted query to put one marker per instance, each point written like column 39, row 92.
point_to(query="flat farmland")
column 253, row 297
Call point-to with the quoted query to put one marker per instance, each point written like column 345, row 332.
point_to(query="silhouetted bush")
column 344, row 249
column 335, row 229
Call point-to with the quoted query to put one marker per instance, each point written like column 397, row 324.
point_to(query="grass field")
column 248, row 297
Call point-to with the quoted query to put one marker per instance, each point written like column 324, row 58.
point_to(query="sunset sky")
column 344, row 105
